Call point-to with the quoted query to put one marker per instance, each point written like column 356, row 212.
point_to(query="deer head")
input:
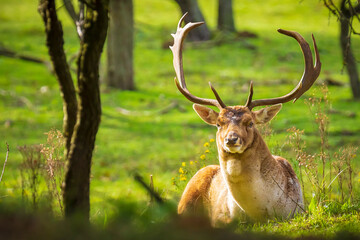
column 236, row 124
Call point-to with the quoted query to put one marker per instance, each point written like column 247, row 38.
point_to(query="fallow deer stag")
column 249, row 179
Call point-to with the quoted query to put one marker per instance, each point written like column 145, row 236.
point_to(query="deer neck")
column 245, row 178
column 240, row 167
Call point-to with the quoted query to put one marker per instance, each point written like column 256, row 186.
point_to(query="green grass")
column 157, row 144
column 322, row 222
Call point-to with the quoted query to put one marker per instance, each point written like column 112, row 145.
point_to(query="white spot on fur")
column 236, row 149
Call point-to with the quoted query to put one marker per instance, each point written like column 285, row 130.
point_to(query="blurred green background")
column 151, row 143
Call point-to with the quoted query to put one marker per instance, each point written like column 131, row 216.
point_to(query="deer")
column 249, row 181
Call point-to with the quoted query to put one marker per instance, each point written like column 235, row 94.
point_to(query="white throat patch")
column 233, row 167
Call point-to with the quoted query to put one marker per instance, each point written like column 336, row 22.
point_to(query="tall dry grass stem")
column 295, row 140
column 30, row 170
column 54, row 166
column 320, row 108
column 6, row 159
column 44, row 163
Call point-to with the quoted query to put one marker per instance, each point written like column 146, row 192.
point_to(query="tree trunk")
column 77, row 181
column 120, row 72
column 88, row 111
column 201, row 33
column 55, row 42
column 225, row 16
column 348, row 57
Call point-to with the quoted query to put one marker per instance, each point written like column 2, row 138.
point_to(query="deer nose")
column 232, row 138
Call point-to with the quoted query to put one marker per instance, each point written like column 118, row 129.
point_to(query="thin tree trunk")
column 225, row 16
column 71, row 10
column 77, row 182
column 55, row 42
column 201, row 33
column 77, row 17
column 120, row 72
column 348, row 57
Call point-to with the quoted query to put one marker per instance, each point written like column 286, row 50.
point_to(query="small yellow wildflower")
column 182, row 177
column 181, row 170
column 212, row 140
column 202, row 157
column 191, row 162
column 206, row 144
column 183, row 164
column 207, row 151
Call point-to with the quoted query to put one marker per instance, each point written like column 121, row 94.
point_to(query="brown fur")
column 289, row 175
column 196, row 191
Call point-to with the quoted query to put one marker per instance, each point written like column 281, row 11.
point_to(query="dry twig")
column 150, row 190
column 161, row 111
column 6, row 158
column 12, row 54
column 296, row 202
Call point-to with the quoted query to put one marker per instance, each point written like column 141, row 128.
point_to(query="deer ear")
column 266, row 114
column 206, row 114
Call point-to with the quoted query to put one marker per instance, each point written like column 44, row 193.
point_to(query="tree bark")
column 348, row 56
column 201, row 33
column 77, row 181
column 55, row 43
column 225, row 16
column 120, row 73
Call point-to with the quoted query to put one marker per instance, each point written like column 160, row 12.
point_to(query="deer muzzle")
column 233, row 142
column 232, row 138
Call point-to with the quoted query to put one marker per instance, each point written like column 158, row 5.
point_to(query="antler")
column 311, row 73
column 176, row 49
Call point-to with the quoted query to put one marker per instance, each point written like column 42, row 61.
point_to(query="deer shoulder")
column 196, row 193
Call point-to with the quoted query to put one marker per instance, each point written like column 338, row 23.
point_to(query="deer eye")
column 251, row 124
column 218, row 125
